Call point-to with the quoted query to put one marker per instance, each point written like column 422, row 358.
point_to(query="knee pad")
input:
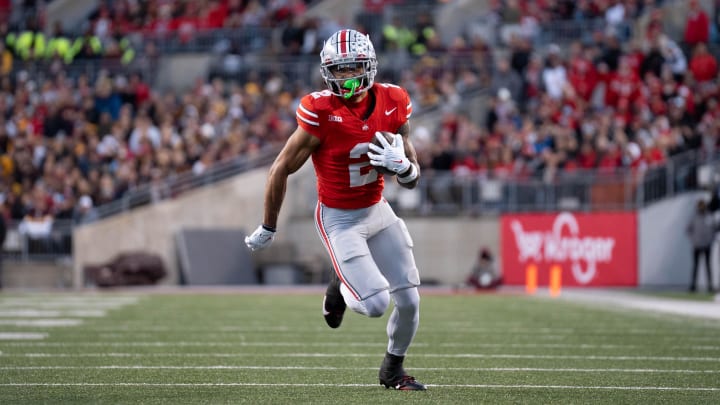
column 377, row 304
column 373, row 306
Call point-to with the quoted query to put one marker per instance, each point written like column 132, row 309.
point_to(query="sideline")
column 634, row 300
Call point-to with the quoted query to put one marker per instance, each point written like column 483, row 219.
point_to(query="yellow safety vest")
column 24, row 43
column 59, row 46
column 128, row 53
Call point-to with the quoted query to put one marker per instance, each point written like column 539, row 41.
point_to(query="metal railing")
column 176, row 186
column 21, row 246
column 40, row 70
column 243, row 40
column 564, row 31
column 305, row 69
column 444, row 193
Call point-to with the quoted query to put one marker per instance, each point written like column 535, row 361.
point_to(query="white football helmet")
column 348, row 47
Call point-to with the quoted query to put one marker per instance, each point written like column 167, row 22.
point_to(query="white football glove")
column 260, row 239
column 391, row 156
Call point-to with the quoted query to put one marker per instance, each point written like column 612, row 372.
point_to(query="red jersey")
column 344, row 174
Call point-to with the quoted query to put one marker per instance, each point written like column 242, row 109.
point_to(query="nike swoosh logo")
column 397, row 161
column 325, row 312
column 390, row 111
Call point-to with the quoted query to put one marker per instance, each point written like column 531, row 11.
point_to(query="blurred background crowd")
column 619, row 93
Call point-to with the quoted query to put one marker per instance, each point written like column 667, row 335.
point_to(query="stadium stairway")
column 342, row 11
column 72, row 13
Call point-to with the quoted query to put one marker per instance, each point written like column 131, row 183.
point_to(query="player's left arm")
column 409, row 178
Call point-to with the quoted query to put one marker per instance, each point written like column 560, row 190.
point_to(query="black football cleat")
column 392, row 375
column 405, row 383
column 333, row 303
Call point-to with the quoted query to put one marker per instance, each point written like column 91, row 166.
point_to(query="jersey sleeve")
column 308, row 116
column 407, row 103
column 402, row 99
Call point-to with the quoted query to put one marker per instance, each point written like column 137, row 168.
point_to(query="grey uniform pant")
column 371, row 252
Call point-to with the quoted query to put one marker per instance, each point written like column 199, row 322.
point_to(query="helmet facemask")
column 348, row 49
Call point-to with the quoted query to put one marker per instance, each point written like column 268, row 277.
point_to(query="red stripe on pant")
column 333, row 258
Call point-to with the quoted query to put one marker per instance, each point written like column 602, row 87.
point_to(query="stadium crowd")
column 616, row 99
column 71, row 143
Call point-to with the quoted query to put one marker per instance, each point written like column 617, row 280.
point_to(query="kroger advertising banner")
column 592, row 249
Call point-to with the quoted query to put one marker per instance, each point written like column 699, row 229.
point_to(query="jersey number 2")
column 358, row 179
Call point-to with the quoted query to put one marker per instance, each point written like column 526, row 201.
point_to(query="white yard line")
column 334, row 385
column 696, row 309
column 49, row 311
column 40, row 298
column 34, row 313
column 22, row 336
column 540, row 333
column 196, row 344
column 359, row 355
column 291, row 368
column 342, row 344
column 42, row 322
column 52, row 305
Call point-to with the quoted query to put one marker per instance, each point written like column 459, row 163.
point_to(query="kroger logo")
column 564, row 243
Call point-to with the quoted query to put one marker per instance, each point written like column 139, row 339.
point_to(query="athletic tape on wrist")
column 410, row 176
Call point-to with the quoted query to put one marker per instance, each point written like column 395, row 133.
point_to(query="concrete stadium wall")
column 71, row 13
column 342, row 11
column 456, row 17
column 665, row 256
column 36, row 275
column 179, row 72
column 235, row 203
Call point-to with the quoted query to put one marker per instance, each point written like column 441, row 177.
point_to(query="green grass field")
column 258, row 348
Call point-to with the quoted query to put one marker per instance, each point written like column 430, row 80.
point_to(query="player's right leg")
column 357, row 281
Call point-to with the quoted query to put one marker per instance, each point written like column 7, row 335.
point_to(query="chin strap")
column 351, row 85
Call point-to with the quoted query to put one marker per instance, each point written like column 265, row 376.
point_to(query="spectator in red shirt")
column 164, row 23
column 703, row 64
column 5, row 9
column 217, row 12
column 587, row 157
column 188, row 23
column 583, row 76
column 140, row 89
column 697, row 25
column 377, row 6
column 624, row 85
column 610, row 156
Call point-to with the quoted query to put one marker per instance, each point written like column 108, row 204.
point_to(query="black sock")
column 393, row 364
column 392, row 359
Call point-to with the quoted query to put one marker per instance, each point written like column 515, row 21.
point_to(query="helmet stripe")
column 343, row 42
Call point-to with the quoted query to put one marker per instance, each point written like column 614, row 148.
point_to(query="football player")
column 369, row 246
